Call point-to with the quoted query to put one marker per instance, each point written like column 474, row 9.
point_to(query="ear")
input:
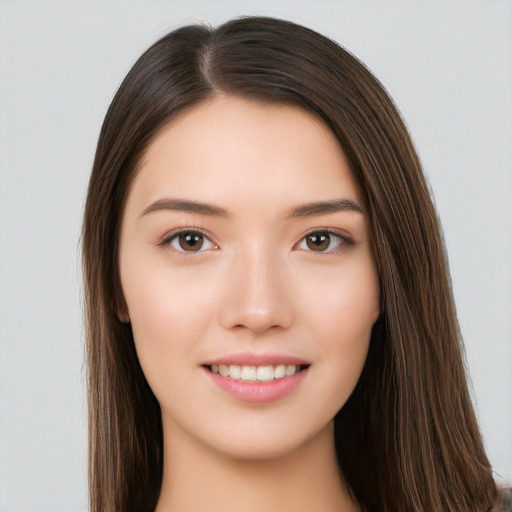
column 123, row 317
column 121, row 310
column 378, row 308
column 381, row 307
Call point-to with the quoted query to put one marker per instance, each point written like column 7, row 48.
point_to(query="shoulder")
column 503, row 501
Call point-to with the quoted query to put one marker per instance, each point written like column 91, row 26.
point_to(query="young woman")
column 270, row 324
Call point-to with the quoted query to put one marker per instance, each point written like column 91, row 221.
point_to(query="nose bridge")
column 258, row 295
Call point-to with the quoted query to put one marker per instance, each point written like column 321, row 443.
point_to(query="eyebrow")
column 306, row 210
column 186, row 205
column 324, row 207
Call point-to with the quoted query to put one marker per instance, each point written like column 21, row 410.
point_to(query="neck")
column 198, row 478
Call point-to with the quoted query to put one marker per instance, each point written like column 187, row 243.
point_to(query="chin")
column 268, row 444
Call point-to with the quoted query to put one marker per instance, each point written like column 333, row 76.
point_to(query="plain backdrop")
column 446, row 63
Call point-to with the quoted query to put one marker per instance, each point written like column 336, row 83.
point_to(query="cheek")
column 343, row 313
column 167, row 310
column 345, row 305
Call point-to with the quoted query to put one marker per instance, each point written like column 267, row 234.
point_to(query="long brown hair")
column 407, row 439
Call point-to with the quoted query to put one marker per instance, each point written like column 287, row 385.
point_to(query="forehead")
column 229, row 149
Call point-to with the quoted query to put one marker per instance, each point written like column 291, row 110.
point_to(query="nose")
column 257, row 296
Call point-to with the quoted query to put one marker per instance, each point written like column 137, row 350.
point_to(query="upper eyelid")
column 184, row 229
column 194, row 229
column 333, row 231
column 344, row 241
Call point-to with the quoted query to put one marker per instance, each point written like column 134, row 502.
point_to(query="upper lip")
column 254, row 359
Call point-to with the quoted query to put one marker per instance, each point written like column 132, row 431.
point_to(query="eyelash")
column 342, row 238
column 174, row 235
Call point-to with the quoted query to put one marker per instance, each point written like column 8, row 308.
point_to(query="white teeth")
column 234, row 371
column 290, row 369
column 255, row 373
column 265, row 373
column 280, row 371
column 248, row 373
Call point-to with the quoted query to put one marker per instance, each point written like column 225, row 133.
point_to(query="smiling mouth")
column 265, row 373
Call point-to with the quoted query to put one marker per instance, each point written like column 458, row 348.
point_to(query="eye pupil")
column 191, row 241
column 318, row 241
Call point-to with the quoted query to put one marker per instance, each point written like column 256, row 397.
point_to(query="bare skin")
column 304, row 480
column 244, row 244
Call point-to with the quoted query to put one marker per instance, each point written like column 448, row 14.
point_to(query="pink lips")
column 251, row 359
column 256, row 391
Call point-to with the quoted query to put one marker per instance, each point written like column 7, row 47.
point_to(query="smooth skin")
column 244, row 232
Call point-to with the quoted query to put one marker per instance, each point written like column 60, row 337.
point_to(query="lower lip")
column 256, row 391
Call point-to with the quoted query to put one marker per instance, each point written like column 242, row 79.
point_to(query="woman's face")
column 248, row 276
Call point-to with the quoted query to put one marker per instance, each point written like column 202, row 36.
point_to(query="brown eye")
column 319, row 241
column 189, row 241
column 323, row 241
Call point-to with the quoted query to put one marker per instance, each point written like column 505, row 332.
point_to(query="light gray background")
column 446, row 63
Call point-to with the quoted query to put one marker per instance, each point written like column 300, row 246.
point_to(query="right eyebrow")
column 186, row 205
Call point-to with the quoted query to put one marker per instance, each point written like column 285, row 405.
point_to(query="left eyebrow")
column 324, row 207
